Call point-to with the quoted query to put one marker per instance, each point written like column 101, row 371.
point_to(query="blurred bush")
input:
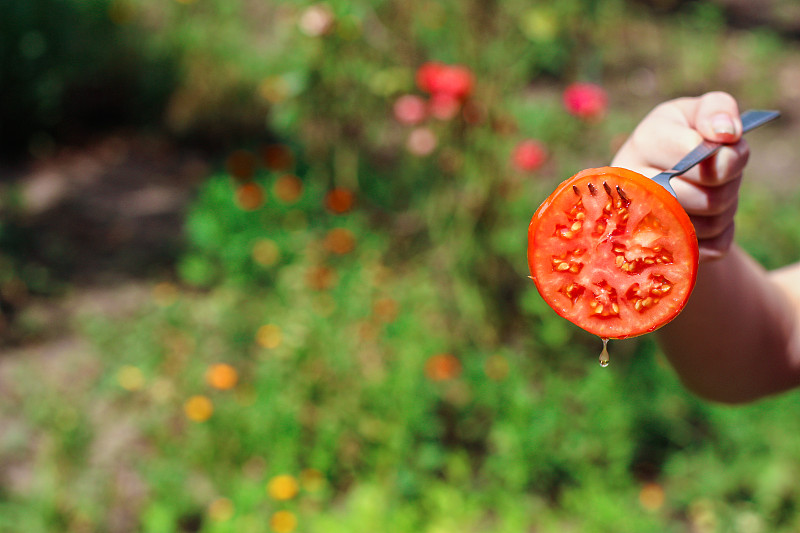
column 351, row 342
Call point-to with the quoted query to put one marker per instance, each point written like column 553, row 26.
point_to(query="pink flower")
column 316, row 20
column 421, row 142
column 586, row 100
column 528, row 155
column 444, row 106
column 410, row 109
column 438, row 78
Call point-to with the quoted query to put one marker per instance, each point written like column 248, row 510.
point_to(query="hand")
column 710, row 191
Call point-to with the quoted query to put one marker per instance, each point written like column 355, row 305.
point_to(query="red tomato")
column 613, row 252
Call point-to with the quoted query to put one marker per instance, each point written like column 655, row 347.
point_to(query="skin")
column 738, row 338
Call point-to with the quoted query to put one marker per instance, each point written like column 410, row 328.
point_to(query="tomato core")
column 613, row 252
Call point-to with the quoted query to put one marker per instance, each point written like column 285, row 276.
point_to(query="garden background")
column 263, row 268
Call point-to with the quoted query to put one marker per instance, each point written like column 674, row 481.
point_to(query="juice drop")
column 604, row 359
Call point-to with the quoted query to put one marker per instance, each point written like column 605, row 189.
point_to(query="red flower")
column 339, row 200
column 428, row 73
column 586, row 100
column 410, row 109
column 437, row 78
column 528, row 155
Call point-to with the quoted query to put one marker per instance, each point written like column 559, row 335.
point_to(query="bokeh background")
column 263, row 268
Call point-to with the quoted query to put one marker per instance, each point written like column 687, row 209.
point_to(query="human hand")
column 710, row 191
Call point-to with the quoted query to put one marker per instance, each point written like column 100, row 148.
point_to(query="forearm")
column 736, row 340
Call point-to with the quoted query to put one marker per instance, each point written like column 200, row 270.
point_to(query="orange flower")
column 283, row 522
column 321, row 277
column 288, row 188
column 269, row 336
column 442, row 367
column 651, row 496
column 277, row 157
column 250, row 196
column 241, row 164
column 222, row 376
column 339, row 241
column 266, row 252
column 339, row 200
column 367, row 331
column 385, row 309
column 283, row 487
column 198, row 408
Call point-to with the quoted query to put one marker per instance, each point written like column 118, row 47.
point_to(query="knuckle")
column 720, row 96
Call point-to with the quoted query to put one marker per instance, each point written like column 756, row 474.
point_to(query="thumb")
column 717, row 117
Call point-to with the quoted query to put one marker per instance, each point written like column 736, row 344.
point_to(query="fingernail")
column 722, row 163
column 722, row 124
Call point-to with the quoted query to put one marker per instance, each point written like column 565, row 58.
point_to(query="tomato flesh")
column 613, row 252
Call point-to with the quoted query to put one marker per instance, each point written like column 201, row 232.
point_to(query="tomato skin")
column 673, row 231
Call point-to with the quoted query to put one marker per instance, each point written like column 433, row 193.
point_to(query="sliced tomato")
column 613, row 252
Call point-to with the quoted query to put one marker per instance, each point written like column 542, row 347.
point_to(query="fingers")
column 711, row 227
column 704, row 200
column 716, row 247
column 709, row 191
column 674, row 128
column 716, row 117
column 660, row 140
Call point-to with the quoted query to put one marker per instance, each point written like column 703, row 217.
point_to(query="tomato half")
column 613, row 252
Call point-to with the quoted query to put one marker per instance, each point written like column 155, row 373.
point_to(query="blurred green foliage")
column 369, row 289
